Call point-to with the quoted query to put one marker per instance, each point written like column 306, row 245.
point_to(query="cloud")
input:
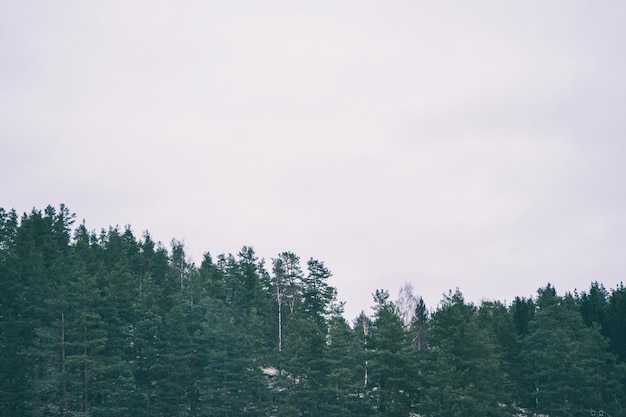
column 442, row 144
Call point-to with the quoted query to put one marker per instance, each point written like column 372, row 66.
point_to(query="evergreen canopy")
column 108, row 324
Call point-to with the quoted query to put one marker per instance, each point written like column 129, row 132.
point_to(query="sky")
column 448, row 144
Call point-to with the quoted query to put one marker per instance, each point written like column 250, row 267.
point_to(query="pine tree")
column 233, row 383
column 13, row 384
column 41, row 249
column 523, row 312
column 304, row 355
column 593, row 305
column 286, row 285
column 344, row 378
column 236, row 335
column 571, row 367
column 85, row 341
column 615, row 322
column 393, row 365
column 419, row 325
column 495, row 318
column 158, row 293
column 468, row 378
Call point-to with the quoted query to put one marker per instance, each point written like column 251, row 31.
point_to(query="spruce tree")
column 304, row 355
column 392, row 368
column 13, row 384
column 468, row 378
column 344, row 378
column 42, row 270
column 570, row 364
column 615, row 322
column 594, row 304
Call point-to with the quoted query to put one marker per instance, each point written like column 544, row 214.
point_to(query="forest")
column 106, row 323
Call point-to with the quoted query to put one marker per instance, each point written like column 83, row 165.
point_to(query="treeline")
column 108, row 324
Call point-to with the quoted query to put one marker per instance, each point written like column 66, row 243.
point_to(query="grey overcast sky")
column 478, row 145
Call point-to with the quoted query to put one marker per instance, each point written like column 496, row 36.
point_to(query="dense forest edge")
column 110, row 324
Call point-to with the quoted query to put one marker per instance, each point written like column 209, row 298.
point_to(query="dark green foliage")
column 303, row 356
column 470, row 376
column 37, row 261
column 110, row 325
column 286, row 283
column 594, row 304
column 419, row 326
column 523, row 312
column 570, row 365
column 233, row 337
column 13, row 384
column 345, row 377
column 305, row 365
column 392, row 367
column 615, row 323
